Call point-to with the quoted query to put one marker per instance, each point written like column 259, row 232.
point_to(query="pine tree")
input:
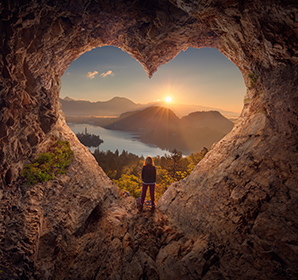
column 174, row 164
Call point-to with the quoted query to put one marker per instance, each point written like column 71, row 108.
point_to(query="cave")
column 234, row 217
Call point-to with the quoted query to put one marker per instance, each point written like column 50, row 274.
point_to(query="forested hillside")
column 125, row 169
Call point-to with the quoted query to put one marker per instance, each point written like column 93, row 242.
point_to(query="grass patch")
column 253, row 79
column 47, row 165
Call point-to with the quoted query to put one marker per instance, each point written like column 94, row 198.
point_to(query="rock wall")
column 232, row 218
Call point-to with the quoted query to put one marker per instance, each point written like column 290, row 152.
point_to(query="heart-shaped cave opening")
column 56, row 41
column 122, row 116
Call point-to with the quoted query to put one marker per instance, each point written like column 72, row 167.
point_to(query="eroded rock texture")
column 234, row 217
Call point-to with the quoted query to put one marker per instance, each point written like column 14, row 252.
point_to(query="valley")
column 161, row 127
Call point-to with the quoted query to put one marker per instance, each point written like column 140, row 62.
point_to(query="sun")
column 168, row 99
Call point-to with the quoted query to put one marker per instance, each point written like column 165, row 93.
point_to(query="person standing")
column 148, row 179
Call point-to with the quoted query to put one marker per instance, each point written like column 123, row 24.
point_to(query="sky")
column 196, row 76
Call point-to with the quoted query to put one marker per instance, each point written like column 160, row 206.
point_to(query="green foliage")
column 195, row 158
column 253, row 79
column 130, row 183
column 125, row 169
column 47, row 165
column 115, row 164
column 175, row 164
column 89, row 140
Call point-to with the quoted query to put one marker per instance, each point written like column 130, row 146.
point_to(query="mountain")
column 113, row 107
column 161, row 126
column 68, row 99
column 152, row 118
column 184, row 109
column 211, row 119
column 118, row 105
column 154, row 124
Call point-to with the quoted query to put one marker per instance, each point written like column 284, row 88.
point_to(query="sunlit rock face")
column 234, row 217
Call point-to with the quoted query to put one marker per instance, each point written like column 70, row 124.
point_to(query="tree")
column 89, row 140
column 130, row 183
column 195, row 158
column 174, row 164
column 125, row 169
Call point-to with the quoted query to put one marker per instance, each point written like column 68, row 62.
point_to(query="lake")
column 115, row 139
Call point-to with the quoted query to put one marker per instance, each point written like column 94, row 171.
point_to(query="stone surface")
column 234, row 217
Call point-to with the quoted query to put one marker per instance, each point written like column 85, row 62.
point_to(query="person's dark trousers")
column 144, row 191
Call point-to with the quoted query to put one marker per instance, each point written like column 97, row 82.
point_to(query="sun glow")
column 168, row 99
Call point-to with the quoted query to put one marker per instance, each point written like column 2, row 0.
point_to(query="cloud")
column 108, row 73
column 91, row 75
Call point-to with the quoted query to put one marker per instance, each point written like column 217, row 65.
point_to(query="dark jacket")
column 149, row 174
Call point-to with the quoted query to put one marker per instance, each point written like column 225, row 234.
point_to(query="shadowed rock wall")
column 234, row 217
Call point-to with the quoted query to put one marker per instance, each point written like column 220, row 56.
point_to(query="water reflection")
column 114, row 139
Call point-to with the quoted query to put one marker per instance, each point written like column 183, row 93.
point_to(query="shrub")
column 253, row 79
column 130, row 183
column 47, row 165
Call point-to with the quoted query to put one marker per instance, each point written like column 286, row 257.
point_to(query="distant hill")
column 152, row 118
column 68, row 99
column 154, row 124
column 113, row 107
column 210, row 119
column 160, row 126
column 119, row 105
column 184, row 109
